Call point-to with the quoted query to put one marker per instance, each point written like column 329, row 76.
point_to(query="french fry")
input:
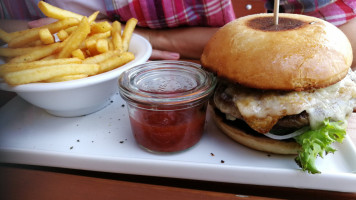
column 100, row 27
column 34, row 43
column 84, row 48
column 62, row 35
column 66, row 78
column 99, row 36
column 70, row 30
column 5, row 36
column 91, row 46
column 116, row 35
column 116, row 40
column 60, row 14
column 111, row 45
column 75, row 39
column 116, row 26
column 12, row 67
column 13, row 52
column 55, row 12
column 50, row 57
column 94, row 38
column 33, row 34
column 93, row 16
column 102, row 45
column 102, row 57
column 116, row 61
column 45, row 36
column 37, row 54
column 48, row 72
column 78, row 53
column 127, row 33
column 18, row 33
column 24, row 32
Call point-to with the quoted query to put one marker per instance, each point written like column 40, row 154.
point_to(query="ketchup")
column 167, row 102
column 169, row 131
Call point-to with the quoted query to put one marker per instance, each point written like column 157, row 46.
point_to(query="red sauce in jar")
column 167, row 103
column 168, row 131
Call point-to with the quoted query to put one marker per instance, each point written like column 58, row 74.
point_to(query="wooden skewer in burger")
column 275, row 12
column 285, row 87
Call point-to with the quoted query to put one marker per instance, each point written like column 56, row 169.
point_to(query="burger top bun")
column 300, row 53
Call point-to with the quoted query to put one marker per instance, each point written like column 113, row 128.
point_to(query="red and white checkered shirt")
column 173, row 13
column 337, row 12
column 167, row 14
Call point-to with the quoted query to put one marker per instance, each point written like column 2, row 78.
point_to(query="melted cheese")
column 262, row 109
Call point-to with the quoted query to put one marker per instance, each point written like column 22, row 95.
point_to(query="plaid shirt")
column 173, row 13
column 337, row 12
column 20, row 9
column 164, row 13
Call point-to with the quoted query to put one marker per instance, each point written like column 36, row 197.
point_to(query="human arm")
column 11, row 25
column 349, row 29
column 189, row 42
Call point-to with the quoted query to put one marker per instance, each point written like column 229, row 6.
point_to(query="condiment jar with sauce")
column 167, row 103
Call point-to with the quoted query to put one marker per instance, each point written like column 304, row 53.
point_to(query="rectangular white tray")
column 103, row 141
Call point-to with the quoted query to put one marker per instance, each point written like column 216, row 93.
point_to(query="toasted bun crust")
column 264, row 144
column 300, row 53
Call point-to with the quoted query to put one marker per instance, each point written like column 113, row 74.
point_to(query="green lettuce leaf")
column 317, row 143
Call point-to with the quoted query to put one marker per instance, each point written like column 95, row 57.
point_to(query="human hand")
column 157, row 53
column 181, row 42
column 40, row 22
column 164, row 55
column 349, row 29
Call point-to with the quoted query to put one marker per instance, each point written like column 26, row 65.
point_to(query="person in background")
column 341, row 13
column 166, row 20
column 180, row 29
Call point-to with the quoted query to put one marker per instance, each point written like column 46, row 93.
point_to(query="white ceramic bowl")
column 82, row 96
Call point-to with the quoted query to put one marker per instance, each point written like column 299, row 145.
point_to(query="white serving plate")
column 103, row 141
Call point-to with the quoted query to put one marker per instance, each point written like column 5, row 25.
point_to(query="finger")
column 164, row 55
column 40, row 22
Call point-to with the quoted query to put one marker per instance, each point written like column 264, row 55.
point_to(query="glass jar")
column 167, row 103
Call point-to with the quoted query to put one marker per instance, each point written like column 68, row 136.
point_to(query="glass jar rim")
column 135, row 83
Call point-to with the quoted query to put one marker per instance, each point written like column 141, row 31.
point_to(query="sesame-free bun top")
column 299, row 53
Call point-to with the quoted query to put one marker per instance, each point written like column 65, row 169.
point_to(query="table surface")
column 36, row 182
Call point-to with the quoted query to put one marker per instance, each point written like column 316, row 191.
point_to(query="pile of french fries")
column 83, row 48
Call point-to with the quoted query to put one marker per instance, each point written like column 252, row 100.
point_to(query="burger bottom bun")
column 258, row 143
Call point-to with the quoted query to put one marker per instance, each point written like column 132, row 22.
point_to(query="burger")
column 283, row 88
